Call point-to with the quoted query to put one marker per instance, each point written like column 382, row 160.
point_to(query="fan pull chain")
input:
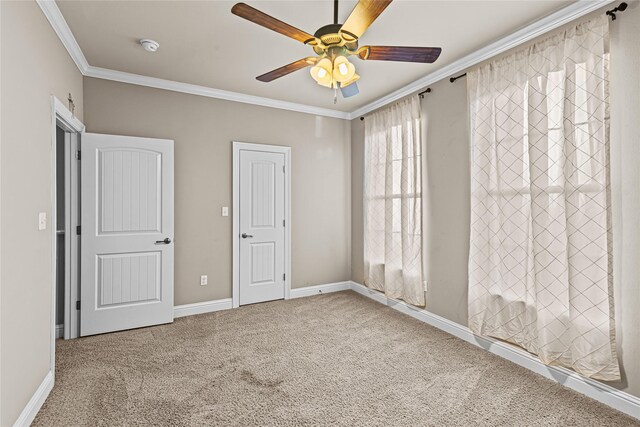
column 335, row 95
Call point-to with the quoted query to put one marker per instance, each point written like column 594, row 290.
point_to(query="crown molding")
column 136, row 79
column 538, row 28
column 542, row 26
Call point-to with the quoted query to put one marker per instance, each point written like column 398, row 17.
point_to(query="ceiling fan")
column 334, row 43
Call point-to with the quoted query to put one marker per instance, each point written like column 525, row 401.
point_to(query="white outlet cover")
column 203, row 280
column 42, row 221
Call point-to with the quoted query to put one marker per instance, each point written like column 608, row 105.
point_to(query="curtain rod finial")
column 453, row 79
column 620, row 8
column 427, row 90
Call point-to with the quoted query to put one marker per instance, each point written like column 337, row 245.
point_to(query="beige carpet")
column 338, row 359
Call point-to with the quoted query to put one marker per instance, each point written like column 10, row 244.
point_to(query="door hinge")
column 283, row 169
column 78, row 155
column 283, row 223
column 77, row 305
column 284, row 277
column 78, row 230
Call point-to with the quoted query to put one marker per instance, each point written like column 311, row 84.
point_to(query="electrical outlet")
column 42, row 221
column 203, row 280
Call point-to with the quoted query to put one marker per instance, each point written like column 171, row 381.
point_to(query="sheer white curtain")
column 393, row 202
column 540, row 267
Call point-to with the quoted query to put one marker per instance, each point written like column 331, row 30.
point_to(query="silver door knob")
column 245, row 235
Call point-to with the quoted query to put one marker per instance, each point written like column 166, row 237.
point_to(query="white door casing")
column 127, row 233
column 261, row 223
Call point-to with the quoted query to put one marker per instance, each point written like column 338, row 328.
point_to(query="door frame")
column 62, row 117
column 237, row 147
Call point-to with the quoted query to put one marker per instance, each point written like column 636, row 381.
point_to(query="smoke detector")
column 149, row 45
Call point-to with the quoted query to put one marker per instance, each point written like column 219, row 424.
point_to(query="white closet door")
column 127, row 233
column 262, row 227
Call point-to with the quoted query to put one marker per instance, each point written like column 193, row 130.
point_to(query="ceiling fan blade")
column 254, row 15
column 349, row 91
column 287, row 69
column 399, row 53
column 361, row 17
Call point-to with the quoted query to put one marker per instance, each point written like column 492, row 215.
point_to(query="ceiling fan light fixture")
column 334, row 43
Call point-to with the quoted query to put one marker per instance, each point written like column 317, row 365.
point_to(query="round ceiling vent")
column 149, row 45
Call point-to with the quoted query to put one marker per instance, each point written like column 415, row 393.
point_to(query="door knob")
column 166, row 241
column 245, row 235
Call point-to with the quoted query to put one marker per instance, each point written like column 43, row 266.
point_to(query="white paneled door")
column 261, row 226
column 127, row 233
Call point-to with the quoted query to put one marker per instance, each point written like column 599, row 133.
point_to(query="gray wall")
column 203, row 130
column 35, row 66
column 357, row 177
column 447, row 200
column 447, row 195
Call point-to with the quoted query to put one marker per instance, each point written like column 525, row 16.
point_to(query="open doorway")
column 60, row 231
column 65, row 221
column 67, row 240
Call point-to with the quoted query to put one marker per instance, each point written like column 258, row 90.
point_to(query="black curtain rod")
column 620, row 8
column 612, row 13
column 453, row 79
column 421, row 95
column 427, row 90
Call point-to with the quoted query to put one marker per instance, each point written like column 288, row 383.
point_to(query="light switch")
column 225, row 211
column 203, row 280
column 42, row 221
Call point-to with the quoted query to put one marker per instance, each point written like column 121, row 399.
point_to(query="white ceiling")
column 202, row 43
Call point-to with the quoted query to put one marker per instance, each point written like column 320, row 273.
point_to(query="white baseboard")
column 320, row 289
column 623, row 402
column 226, row 303
column 30, row 411
column 59, row 331
column 201, row 307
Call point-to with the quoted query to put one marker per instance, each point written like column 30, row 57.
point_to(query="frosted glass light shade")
column 343, row 70
column 322, row 72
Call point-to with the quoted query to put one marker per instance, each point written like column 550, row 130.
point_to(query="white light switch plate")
column 225, row 211
column 42, row 221
column 203, row 280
